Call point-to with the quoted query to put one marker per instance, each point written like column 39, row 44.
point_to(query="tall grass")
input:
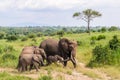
column 6, row 76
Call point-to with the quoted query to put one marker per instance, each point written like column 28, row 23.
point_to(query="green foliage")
column 32, row 35
column 92, row 42
column 114, row 43
column 12, row 37
column 39, row 34
column 101, row 37
column 2, row 35
column 106, row 55
column 93, row 38
column 113, row 28
column 103, row 29
column 6, row 76
column 60, row 33
column 8, row 48
column 45, row 77
column 79, row 43
column 8, row 57
column 24, row 39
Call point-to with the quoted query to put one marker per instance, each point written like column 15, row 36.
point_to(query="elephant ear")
column 36, row 51
column 63, row 45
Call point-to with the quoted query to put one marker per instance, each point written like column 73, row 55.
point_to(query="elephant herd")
column 51, row 50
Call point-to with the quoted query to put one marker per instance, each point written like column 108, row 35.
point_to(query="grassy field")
column 9, row 52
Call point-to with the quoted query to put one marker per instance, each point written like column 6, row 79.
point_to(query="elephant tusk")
column 66, row 59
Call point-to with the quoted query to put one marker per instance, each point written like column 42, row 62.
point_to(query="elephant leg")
column 73, row 61
column 42, row 64
column 36, row 66
column 23, row 68
column 65, row 63
column 30, row 67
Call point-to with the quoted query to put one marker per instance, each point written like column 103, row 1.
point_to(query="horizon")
column 54, row 13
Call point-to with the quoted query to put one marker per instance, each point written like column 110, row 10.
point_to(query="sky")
column 57, row 12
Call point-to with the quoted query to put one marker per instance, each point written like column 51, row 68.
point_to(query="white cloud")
column 59, row 4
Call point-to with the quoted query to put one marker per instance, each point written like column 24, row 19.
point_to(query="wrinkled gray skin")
column 64, row 48
column 30, row 56
column 54, row 59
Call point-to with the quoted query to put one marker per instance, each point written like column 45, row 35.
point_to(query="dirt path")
column 75, row 75
column 33, row 74
column 103, row 75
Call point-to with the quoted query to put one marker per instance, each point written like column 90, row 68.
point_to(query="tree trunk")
column 88, row 26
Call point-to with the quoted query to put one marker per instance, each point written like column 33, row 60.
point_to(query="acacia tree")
column 87, row 16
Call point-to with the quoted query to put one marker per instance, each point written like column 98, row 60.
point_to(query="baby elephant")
column 54, row 59
column 30, row 56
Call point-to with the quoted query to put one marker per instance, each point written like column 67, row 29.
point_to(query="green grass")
column 6, row 76
column 83, row 52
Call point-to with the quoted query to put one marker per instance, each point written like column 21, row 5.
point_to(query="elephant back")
column 50, row 46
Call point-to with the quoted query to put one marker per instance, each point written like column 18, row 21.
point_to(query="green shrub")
column 103, row 29
column 12, row 38
column 39, row 34
column 101, row 37
column 93, row 38
column 24, row 39
column 114, row 43
column 113, row 28
column 32, row 35
column 79, row 43
column 2, row 34
column 103, row 55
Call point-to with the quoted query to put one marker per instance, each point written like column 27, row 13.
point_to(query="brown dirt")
column 75, row 75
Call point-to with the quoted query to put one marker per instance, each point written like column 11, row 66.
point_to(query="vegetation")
column 87, row 15
column 97, row 50
column 6, row 76
column 107, row 55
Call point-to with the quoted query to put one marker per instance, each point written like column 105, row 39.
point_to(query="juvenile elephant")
column 54, row 59
column 30, row 56
column 64, row 48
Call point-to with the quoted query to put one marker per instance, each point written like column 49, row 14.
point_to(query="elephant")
column 54, row 59
column 30, row 56
column 63, row 47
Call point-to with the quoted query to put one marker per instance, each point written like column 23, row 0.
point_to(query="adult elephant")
column 64, row 48
column 30, row 56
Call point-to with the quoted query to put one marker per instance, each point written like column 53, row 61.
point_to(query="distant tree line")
column 13, row 33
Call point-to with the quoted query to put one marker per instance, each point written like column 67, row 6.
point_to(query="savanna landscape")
column 59, row 40
column 97, row 56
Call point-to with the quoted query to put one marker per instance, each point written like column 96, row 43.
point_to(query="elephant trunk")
column 72, row 57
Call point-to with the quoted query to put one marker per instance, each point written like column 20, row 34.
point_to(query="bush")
column 114, row 43
column 24, row 39
column 113, row 28
column 79, row 43
column 31, row 35
column 101, row 37
column 2, row 34
column 106, row 55
column 39, row 34
column 93, row 38
column 103, row 29
column 12, row 38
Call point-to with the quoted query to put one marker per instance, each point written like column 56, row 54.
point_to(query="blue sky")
column 57, row 12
